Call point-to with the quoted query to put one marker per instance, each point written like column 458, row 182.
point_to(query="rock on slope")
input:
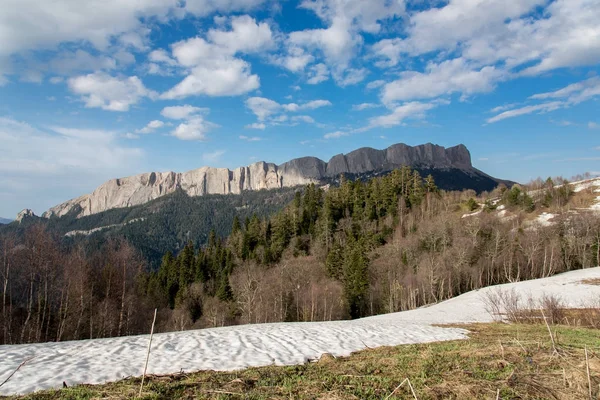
column 139, row 189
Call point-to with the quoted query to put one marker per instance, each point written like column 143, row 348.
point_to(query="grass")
column 517, row 360
column 592, row 281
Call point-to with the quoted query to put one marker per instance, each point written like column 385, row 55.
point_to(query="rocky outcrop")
column 140, row 189
column 26, row 213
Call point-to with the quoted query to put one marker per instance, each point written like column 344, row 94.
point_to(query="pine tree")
column 356, row 279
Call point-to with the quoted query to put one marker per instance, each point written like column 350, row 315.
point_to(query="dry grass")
column 593, row 281
column 584, row 199
column 515, row 359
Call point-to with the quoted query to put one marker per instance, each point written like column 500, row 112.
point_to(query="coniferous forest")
column 388, row 244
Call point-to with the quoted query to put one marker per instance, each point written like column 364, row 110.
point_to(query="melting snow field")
column 231, row 348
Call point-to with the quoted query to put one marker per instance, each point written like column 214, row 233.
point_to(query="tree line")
column 391, row 243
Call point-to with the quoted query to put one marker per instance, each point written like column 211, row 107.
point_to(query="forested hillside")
column 391, row 243
column 165, row 224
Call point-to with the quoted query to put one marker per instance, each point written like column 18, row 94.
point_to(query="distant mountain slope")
column 5, row 221
column 450, row 166
column 164, row 224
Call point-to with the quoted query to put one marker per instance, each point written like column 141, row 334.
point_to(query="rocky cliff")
column 140, row 189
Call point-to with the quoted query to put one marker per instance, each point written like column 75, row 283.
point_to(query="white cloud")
column 256, row 125
column 444, row 28
column 131, row 136
column 546, row 107
column 195, row 128
column 213, row 156
column 265, row 108
column 108, row 92
column 364, row 106
column 318, row 73
column 182, row 112
column 213, row 68
column 311, row 105
column 151, row 127
column 250, row 138
column 30, row 24
column 41, row 168
column 503, row 107
column 451, row 76
column 341, row 40
column 497, row 39
column 245, row 36
column 568, row 96
column 202, row 8
column 335, row 135
column 303, row 118
column 574, row 93
column 375, row 84
column 295, row 59
column 222, row 78
column 593, row 125
column 67, row 62
column 400, row 113
column 351, row 76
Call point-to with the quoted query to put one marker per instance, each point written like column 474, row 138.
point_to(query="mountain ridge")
column 142, row 188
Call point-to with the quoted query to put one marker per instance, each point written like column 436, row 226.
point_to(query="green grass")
column 517, row 360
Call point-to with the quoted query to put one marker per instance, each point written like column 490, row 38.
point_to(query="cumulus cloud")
column 341, row 40
column 400, row 113
column 250, row 138
column 364, row 106
column 448, row 77
column 41, row 168
column 194, row 128
column 151, row 127
column 267, row 109
column 109, row 93
column 335, row 135
column 194, row 125
column 303, row 118
column 256, row 125
column 564, row 34
column 318, row 73
column 214, row 69
column 182, row 112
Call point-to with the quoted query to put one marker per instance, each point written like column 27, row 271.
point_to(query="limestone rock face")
column 26, row 213
column 140, row 189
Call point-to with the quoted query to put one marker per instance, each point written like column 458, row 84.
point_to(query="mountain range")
column 160, row 212
column 451, row 167
column 5, row 221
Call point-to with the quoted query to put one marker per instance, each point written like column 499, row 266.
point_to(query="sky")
column 98, row 89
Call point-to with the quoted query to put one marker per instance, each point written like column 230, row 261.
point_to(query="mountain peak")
column 140, row 189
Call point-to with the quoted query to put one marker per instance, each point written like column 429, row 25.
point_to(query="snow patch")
column 236, row 347
column 586, row 184
column 544, row 219
column 473, row 213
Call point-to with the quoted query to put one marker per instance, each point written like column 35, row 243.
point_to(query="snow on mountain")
column 236, row 347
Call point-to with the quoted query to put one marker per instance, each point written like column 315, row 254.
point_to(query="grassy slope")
column 516, row 359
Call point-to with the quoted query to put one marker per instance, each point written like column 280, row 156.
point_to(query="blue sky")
column 96, row 89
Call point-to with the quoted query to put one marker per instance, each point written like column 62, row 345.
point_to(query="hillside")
column 364, row 248
column 233, row 348
column 164, row 224
column 5, row 221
